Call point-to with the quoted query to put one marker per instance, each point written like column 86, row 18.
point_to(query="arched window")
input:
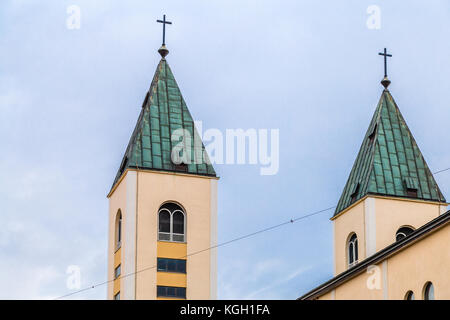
column 172, row 223
column 409, row 295
column 428, row 291
column 118, row 236
column 352, row 250
column 178, row 226
column 403, row 232
column 164, row 222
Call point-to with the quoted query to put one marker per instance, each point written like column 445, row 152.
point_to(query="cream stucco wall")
column 392, row 214
column 347, row 223
column 375, row 220
column 198, row 196
column 327, row 296
column 408, row 269
column 426, row 260
column 357, row 289
column 116, row 202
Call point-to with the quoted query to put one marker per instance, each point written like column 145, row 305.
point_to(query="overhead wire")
column 290, row 221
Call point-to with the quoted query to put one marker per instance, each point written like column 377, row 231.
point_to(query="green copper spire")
column 163, row 112
column 389, row 161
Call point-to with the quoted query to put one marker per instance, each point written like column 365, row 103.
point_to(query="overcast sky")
column 69, row 100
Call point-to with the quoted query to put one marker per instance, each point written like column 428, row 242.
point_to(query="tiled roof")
column 163, row 111
column 389, row 161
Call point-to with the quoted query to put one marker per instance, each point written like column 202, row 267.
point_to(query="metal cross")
column 385, row 54
column 164, row 22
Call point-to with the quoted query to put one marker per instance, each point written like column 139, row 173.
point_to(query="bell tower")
column 163, row 203
column 390, row 191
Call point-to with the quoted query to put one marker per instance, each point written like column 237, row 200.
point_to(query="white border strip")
column 370, row 222
column 129, row 239
column 213, row 242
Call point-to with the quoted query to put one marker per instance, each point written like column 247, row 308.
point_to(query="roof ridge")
column 420, row 154
column 375, row 141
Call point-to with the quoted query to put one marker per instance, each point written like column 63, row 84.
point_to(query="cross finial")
column 164, row 22
column 385, row 82
column 163, row 50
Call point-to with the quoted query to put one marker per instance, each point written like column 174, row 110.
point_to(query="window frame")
column 399, row 232
column 411, row 187
column 163, row 292
column 410, row 294
column 372, row 135
column 426, row 291
column 177, row 264
column 118, row 230
column 352, row 241
column 171, row 234
column 355, row 192
column 170, row 224
column 184, row 225
column 117, row 275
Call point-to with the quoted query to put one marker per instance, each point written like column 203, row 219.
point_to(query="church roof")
column 163, row 112
column 389, row 161
column 419, row 234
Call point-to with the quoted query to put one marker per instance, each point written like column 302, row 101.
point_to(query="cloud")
column 259, row 294
column 263, row 280
column 69, row 100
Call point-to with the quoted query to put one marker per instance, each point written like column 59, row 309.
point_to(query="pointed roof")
column 163, row 111
column 389, row 161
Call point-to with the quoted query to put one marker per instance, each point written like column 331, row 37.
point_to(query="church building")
column 391, row 224
column 163, row 204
